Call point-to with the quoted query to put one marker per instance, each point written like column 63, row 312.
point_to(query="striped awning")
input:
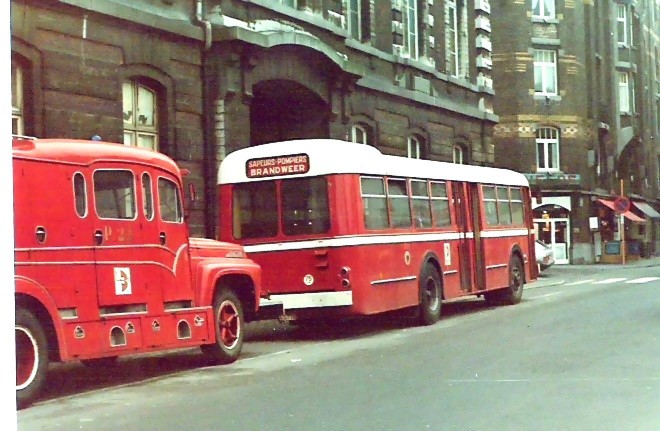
column 628, row 214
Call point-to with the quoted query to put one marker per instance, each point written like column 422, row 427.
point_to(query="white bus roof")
column 331, row 156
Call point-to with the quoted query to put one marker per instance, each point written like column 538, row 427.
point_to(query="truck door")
column 173, row 241
column 126, row 277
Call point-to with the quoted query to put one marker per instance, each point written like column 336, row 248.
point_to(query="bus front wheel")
column 430, row 295
column 31, row 357
column 229, row 328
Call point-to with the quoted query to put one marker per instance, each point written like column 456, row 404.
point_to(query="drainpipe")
column 209, row 169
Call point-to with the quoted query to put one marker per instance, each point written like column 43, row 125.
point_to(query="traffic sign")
column 621, row 204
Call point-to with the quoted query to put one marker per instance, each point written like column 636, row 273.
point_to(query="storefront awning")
column 629, row 215
column 647, row 209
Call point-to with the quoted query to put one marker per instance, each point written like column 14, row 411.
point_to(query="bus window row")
column 503, row 205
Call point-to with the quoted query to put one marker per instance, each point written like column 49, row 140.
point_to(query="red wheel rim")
column 27, row 357
column 229, row 324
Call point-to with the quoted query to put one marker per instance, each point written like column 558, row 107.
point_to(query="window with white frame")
column 414, row 148
column 622, row 24
column 17, row 108
column 140, row 110
column 354, row 14
column 459, row 154
column 292, row 3
column 359, row 134
column 624, row 92
column 547, row 149
column 543, row 8
column 410, row 28
column 545, row 72
column 451, row 37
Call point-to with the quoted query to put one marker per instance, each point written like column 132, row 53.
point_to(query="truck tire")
column 229, row 327
column 430, row 295
column 31, row 357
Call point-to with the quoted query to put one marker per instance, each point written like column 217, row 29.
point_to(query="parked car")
column 544, row 255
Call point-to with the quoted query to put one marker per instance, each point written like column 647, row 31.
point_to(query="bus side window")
column 397, row 197
column 421, row 203
column 440, row 204
column 517, row 211
column 80, row 194
column 504, row 209
column 374, row 203
column 114, row 194
column 490, row 205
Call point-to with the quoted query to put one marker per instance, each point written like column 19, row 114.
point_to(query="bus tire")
column 31, row 357
column 430, row 295
column 513, row 293
column 229, row 327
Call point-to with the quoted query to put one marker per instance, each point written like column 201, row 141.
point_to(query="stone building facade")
column 577, row 95
column 199, row 79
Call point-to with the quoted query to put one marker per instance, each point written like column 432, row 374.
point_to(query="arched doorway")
column 283, row 109
column 553, row 227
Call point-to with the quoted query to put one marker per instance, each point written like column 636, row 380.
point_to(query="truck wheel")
column 31, row 357
column 430, row 295
column 229, row 328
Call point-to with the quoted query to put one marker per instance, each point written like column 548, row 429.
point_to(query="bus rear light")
column 344, row 271
column 346, row 283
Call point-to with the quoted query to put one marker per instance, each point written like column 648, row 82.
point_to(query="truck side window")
column 147, row 195
column 169, row 201
column 80, row 194
column 114, row 194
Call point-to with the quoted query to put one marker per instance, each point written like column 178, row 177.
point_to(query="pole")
column 622, row 224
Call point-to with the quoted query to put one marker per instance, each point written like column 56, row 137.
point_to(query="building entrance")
column 553, row 227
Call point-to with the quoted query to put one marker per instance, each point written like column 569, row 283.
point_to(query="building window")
column 543, row 8
column 140, row 110
column 624, row 93
column 414, row 148
column 410, row 28
column 547, row 149
column 622, row 24
column 291, row 3
column 459, row 154
column 17, row 108
column 545, row 72
column 355, row 19
column 451, row 34
column 359, row 134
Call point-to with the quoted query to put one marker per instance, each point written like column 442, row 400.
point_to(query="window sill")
column 544, row 20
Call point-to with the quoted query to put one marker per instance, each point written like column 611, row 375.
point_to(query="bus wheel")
column 430, row 296
column 229, row 326
column 513, row 294
column 31, row 357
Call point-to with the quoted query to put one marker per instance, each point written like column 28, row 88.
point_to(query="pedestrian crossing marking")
column 642, row 280
column 576, row 283
column 611, row 280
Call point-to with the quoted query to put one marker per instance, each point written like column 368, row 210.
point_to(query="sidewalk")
column 554, row 275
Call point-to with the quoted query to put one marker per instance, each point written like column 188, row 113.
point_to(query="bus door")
column 462, row 212
column 478, row 250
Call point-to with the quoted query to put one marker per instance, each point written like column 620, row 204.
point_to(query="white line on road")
column 642, row 280
column 548, row 295
column 610, row 281
column 575, row 283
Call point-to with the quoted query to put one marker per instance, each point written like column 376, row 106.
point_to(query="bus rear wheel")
column 512, row 294
column 229, row 329
column 31, row 357
column 430, row 295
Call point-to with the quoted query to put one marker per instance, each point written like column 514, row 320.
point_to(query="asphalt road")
column 581, row 355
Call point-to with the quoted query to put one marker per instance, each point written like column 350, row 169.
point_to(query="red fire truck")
column 105, row 267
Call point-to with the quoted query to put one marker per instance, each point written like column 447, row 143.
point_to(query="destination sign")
column 276, row 166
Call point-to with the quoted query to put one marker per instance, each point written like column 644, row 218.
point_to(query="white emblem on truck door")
column 123, row 281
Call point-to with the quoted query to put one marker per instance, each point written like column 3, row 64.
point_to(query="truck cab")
column 105, row 265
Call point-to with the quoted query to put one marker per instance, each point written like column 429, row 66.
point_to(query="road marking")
column 610, row 281
column 575, row 283
column 642, row 280
column 547, row 295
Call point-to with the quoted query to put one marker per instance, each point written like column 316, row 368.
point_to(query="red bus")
column 104, row 265
column 341, row 229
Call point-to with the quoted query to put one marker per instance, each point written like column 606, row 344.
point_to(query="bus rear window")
column 255, row 210
column 305, row 206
